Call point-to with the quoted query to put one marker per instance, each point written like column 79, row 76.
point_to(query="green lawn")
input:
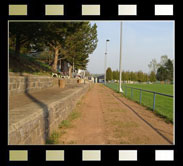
column 163, row 104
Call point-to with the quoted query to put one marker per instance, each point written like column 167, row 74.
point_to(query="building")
column 100, row 79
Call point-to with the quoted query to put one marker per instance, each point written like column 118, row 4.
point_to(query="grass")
column 25, row 64
column 163, row 104
column 67, row 123
column 53, row 139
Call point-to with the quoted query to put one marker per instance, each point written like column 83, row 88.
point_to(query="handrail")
column 149, row 91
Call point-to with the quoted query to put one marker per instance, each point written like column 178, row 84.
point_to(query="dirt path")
column 108, row 118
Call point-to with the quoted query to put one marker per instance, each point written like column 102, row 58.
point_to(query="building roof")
column 101, row 77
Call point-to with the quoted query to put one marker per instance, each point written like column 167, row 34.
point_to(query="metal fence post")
column 131, row 92
column 154, row 101
column 140, row 96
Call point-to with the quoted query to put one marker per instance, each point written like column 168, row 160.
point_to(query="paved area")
column 108, row 118
column 23, row 105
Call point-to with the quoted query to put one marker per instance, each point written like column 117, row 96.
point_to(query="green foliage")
column 22, row 34
column 109, row 75
column 165, row 71
column 27, row 64
column 53, row 139
column 71, row 41
column 74, row 115
column 140, row 76
column 115, row 75
column 153, row 65
column 80, row 44
column 163, row 104
column 131, row 76
column 67, row 123
column 152, row 76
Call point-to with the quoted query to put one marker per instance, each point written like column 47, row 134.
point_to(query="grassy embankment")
column 163, row 104
column 25, row 64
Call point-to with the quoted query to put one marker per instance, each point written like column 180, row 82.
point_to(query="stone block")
column 61, row 83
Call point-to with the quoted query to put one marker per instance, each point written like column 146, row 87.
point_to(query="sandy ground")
column 108, row 118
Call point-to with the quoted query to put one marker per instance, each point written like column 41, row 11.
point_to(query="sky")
column 142, row 41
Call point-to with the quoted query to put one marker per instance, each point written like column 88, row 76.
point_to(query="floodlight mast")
column 105, row 62
column 120, row 63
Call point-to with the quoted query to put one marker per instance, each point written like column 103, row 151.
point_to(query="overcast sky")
column 142, row 42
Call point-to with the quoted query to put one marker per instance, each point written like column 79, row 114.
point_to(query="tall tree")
column 169, row 68
column 140, row 76
column 55, row 34
column 109, row 75
column 133, row 76
column 161, row 74
column 80, row 44
column 152, row 76
column 165, row 71
column 115, row 75
column 22, row 34
column 153, row 65
column 164, row 59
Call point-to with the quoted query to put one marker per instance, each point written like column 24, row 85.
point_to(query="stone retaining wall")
column 21, row 84
column 35, row 128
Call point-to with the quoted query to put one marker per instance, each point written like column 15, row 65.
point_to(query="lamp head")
column 107, row 40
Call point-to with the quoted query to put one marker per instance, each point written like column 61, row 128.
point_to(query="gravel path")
column 108, row 118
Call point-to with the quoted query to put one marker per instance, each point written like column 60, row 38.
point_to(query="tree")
column 70, row 41
column 109, row 75
column 161, row 74
column 164, row 59
column 127, row 75
column 133, row 76
column 22, row 34
column 55, row 34
column 80, row 44
column 140, row 76
column 153, row 65
column 115, row 75
column 124, row 78
column 152, row 76
column 169, row 68
column 165, row 71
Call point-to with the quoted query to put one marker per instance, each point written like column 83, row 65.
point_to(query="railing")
column 162, row 103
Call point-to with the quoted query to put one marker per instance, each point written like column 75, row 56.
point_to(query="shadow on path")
column 156, row 130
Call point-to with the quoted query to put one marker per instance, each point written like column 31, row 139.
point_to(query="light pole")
column 105, row 61
column 120, row 69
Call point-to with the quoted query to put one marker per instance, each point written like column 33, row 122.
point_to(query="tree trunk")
column 73, row 65
column 60, row 65
column 54, row 66
column 70, row 71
